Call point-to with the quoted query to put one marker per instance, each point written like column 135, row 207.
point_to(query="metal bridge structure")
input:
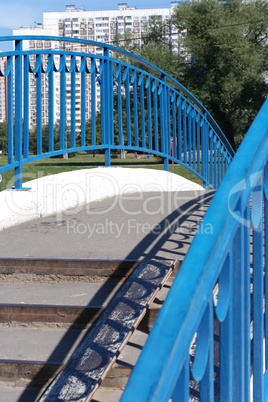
column 141, row 108
column 222, row 282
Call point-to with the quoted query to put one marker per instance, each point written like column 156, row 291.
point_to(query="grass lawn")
column 82, row 160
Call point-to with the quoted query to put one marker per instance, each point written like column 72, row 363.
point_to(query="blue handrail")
column 221, row 283
column 152, row 113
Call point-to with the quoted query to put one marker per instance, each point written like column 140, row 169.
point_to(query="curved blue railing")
column 222, row 283
column 139, row 111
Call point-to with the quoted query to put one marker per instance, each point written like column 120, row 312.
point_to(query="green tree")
column 3, row 137
column 125, row 41
column 163, row 57
column 156, row 30
column 45, row 138
column 227, row 44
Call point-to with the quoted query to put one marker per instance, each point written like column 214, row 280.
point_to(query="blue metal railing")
column 139, row 111
column 222, row 283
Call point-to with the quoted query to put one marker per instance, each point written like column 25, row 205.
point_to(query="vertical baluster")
column 215, row 160
column 202, row 126
column 141, row 85
column 219, row 152
column 211, row 156
column 181, row 391
column 207, row 382
column 119, row 103
column 73, row 99
column 111, row 101
column 135, row 107
column 258, row 321
column 167, row 131
column 62, row 101
column 18, row 114
column 174, row 125
column 126, row 78
column 205, row 148
column 194, row 139
column 149, row 112
column 162, row 118
column 226, row 346
column 179, row 129
column 238, row 305
column 184, row 132
column 189, row 112
column 155, row 92
column 93, row 101
column 106, row 108
column 51, row 102
column 10, row 133
column 223, row 156
column 226, row 162
column 164, row 113
column 83, row 101
column 247, row 346
column 102, row 106
column 198, row 143
column 38, row 76
column 26, row 107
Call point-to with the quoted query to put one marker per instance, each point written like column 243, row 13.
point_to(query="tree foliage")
column 227, row 42
column 3, row 137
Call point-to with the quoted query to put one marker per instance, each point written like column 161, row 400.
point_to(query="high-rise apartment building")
column 40, row 45
column 101, row 26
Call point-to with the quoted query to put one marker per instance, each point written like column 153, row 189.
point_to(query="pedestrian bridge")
column 223, row 277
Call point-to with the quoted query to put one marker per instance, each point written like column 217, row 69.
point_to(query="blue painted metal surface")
column 152, row 111
column 225, row 270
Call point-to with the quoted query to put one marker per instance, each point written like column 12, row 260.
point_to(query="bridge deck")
column 133, row 226
column 136, row 226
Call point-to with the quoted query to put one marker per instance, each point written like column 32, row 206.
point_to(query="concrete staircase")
column 47, row 307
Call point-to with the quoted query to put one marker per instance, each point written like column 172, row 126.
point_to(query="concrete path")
column 56, row 193
column 128, row 226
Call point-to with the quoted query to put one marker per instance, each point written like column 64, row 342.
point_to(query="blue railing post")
column 38, row 74
column 10, row 110
column 51, row 102
column 205, row 150
column 26, row 108
column 18, row 114
column 164, row 125
column 107, row 107
column 62, row 101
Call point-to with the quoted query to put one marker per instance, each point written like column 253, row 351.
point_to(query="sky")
column 16, row 13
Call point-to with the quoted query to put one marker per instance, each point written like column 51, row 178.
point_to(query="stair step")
column 44, row 316
column 100, row 347
column 67, row 268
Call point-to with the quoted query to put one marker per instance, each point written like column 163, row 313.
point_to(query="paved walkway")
column 128, row 226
